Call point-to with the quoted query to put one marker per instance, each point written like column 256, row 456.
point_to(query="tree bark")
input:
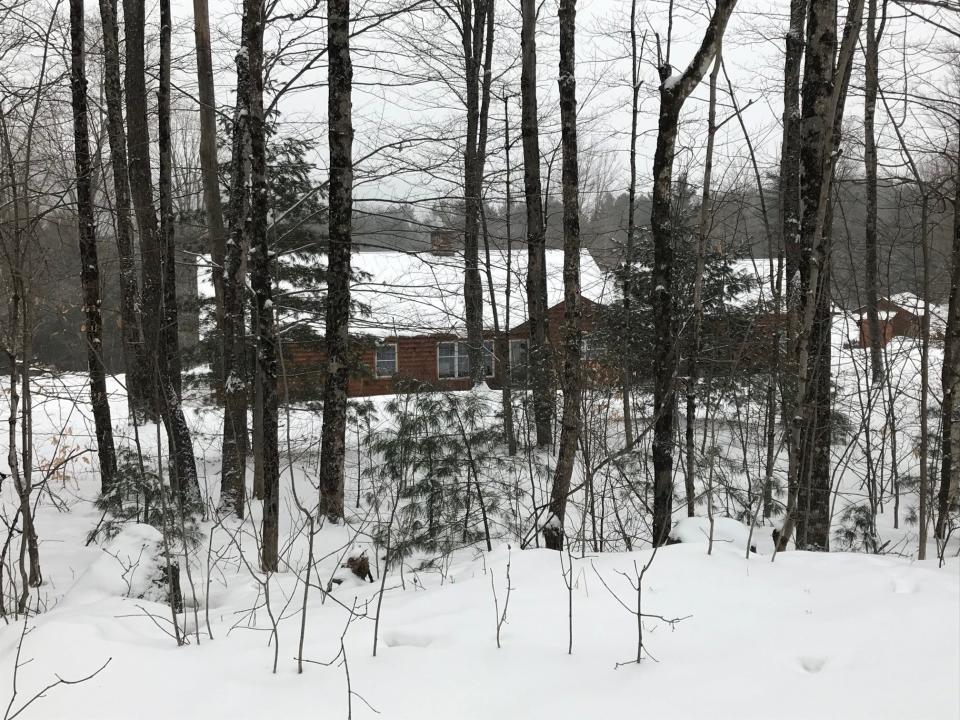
column 627, row 372
column 340, row 113
column 141, row 189
column 950, row 376
column 506, row 371
column 553, row 533
column 472, row 15
column 823, row 99
column 183, row 467
column 234, row 455
column 212, row 206
column 89, row 263
column 261, row 281
column 539, row 365
column 674, row 91
column 138, row 373
column 871, row 60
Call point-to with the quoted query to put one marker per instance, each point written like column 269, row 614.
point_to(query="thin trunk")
column 871, row 61
column 340, row 112
column 539, row 366
column 89, row 263
column 924, row 382
column 234, row 454
column 570, row 180
column 627, row 373
column 141, row 188
column 504, row 337
column 702, row 231
column 261, row 281
column 951, row 373
column 472, row 16
column 138, row 374
column 212, row 206
column 184, row 474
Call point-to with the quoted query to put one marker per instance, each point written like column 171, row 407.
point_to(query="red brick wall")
column 416, row 360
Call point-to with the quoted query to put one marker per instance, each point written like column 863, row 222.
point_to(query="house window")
column 518, row 353
column 386, row 360
column 453, row 360
column 589, row 348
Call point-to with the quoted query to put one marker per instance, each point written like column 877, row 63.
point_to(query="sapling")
column 636, row 582
column 501, row 617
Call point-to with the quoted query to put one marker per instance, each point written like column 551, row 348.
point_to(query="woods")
column 287, row 349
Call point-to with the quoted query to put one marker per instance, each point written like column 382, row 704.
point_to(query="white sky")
column 386, row 111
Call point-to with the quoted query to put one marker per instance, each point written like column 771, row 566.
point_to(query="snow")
column 810, row 635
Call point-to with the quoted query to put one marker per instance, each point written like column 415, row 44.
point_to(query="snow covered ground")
column 811, row 635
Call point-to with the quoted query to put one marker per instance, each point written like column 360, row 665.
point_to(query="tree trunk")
column 627, row 372
column 184, row 477
column 871, row 60
column 141, row 189
column 789, row 190
column 138, row 373
column 89, row 263
column 234, row 455
column 553, row 533
column 539, row 365
column 950, row 373
column 506, row 371
column 696, row 342
column 472, row 13
column 674, row 91
column 340, row 112
column 261, row 281
column 824, row 95
column 208, row 155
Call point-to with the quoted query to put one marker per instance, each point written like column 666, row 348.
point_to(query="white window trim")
column 456, row 359
column 396, row 360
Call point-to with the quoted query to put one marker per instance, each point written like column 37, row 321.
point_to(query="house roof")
column 422, row 293
column 406, row 294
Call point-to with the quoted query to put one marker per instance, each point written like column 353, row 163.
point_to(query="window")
column 453, row 360
column 518, row 354
column 386, row 360
column 589, row 348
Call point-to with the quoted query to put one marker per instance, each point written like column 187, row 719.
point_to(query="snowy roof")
column 404, row 293
column 412, row 294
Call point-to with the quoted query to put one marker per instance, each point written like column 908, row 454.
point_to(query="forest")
column 476, row 359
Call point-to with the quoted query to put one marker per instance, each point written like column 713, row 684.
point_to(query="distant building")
column 900, row 316
column 410, row 310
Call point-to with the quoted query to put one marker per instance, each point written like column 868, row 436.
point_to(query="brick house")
column 410, row 318
column 900, row 316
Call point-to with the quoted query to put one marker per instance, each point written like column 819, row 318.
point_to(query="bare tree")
column 674, row 91
column 89, row 263
column 208, row 149
column 138, row 374
column 538, row 354
column 262, row 283
column 570, row 425
column 336, row 378
column 950, row 373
